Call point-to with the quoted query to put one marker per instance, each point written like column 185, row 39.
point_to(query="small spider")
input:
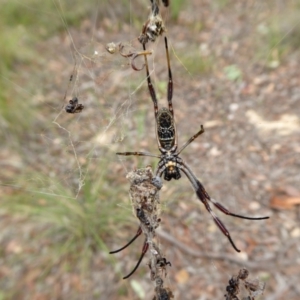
column 73, row 106
column 170, row 163
column 162, row 262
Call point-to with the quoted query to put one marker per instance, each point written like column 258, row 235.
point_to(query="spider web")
column 106, row 85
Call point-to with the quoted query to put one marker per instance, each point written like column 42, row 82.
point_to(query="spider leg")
column 71, row 78
column 144, row 250
column 191, row 139
column 155, row 9
column 160, row 169
column 204, row 197
column 222, row 208
column 150, row 86
column 201, row 193
column 139, row 232
column 227, row 212
column 137, row 154
column 170, row 83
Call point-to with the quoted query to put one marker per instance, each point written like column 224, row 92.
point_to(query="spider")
column 170, row 164
column 73, row 106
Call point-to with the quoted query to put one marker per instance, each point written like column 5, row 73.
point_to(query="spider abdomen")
column 165, row 129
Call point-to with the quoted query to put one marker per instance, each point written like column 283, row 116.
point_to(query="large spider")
column 170, row 163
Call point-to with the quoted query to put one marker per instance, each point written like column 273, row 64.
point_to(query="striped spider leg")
column 144, row 250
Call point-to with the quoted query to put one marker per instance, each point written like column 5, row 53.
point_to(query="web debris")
column 254, row 288
column 144, row 195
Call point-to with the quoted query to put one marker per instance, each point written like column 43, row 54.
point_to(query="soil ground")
column 230, row 76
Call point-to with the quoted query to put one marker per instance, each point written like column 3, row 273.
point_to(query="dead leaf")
column 284, row 202
column 14, row 247
column 182, row 276
column 286, row 197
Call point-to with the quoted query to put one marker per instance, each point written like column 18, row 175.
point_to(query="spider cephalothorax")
column 169, row 164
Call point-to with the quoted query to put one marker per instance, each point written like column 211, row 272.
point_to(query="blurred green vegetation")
column 272, row 48
column 219, row 4
column 75, row 226
column 84, row 220
column 280, row 35
column 22, row 25
column 69, row 230
column 176, row 6
column 195, row 63
column 45, row 18
column 233, row 73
